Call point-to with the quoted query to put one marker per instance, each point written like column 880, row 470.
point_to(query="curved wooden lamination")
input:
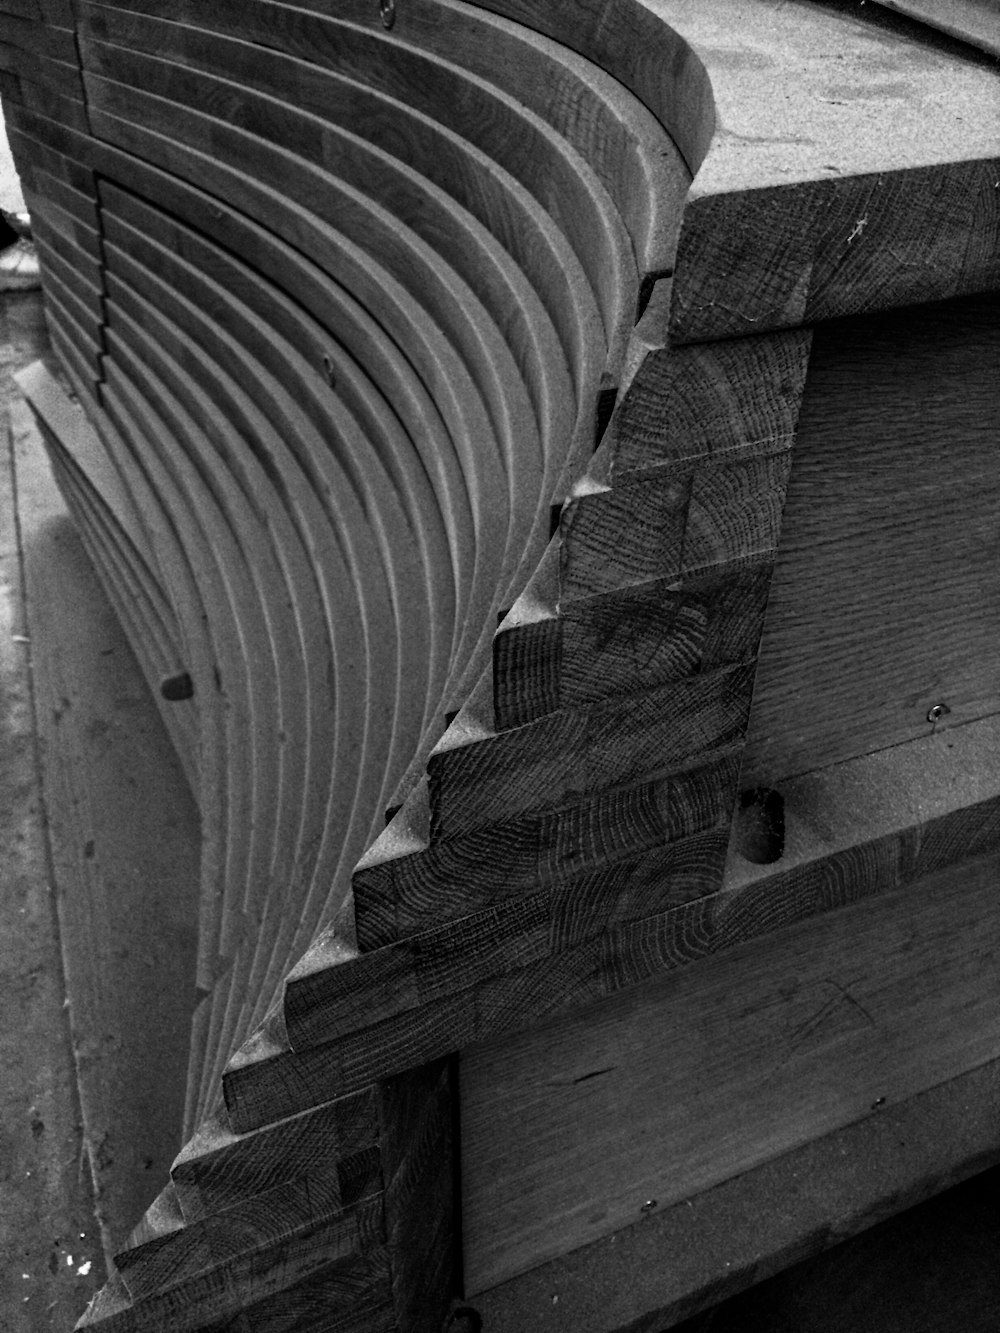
column 349, row 294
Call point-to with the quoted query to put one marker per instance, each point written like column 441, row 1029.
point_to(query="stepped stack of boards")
column 431, row 433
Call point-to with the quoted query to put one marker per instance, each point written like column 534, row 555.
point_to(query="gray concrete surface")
column 50, row 1248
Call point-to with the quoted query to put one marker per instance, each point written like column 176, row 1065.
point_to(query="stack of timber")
column 435, row 374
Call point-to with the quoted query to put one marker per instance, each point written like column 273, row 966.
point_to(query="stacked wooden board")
column 349, row 296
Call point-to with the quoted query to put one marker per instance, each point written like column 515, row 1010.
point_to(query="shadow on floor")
column 933, row 1269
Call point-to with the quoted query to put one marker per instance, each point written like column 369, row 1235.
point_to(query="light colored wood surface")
column 572, row 1132
column 886, row 594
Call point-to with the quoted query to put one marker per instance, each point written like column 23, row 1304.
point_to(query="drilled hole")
column 760, row 825
column 387, row 8
column 176, row 688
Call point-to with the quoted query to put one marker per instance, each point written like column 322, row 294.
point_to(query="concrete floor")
column 99, row 851
column 49, row 1237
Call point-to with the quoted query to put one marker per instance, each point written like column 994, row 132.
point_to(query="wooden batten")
column 529, row 437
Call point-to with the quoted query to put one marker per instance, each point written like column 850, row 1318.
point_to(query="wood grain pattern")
column 730, row 1064
column 576, row 751
column 764, row 1220
column 877, row 843
column 567, row 845
column 346, row 305
column 881, row 605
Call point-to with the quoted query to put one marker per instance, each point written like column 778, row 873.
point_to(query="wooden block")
column 688, row 404
column 567, row 845
column 811, row 277
column 664, row 523
column 622, row 642
column 217, row 1168
column 269, row 1224
column 547, row 762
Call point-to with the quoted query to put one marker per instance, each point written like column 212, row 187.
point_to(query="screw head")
column 938, row 711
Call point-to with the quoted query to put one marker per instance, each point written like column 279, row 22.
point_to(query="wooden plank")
column 885, row 592
column 689, row 1256
column 731, row 1064
column 973, row 21
column 419, row 1165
